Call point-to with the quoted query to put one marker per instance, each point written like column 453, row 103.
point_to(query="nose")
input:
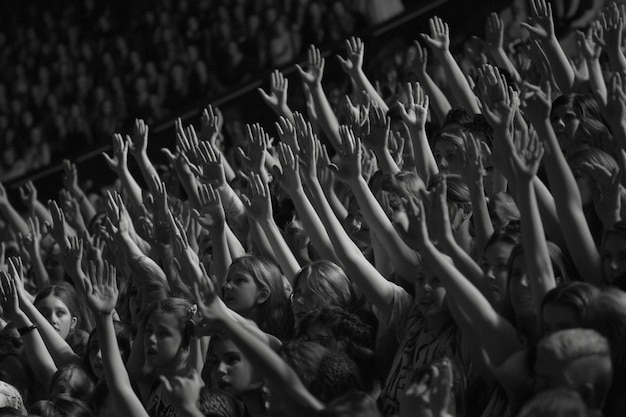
column 221, row 368
column 524, row 281
column 443, row 163
column 558, row 123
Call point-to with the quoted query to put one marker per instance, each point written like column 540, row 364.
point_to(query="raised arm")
column 138, row 147
column 566, row 194
column 353, row 66
column 494, row 40
column 541, row 28
column 100, row 289
column 277, row 98
column 28, row 194
column 119, row 164
column 313, row 79
column 591, row 51
column 10, row 215
column 439, row 42
column 439, row 102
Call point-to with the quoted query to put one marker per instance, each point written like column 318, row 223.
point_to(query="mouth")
column 224, row 385
column 151, row 352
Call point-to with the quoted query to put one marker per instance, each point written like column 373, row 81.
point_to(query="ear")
column 74, row 322
column 263, row 294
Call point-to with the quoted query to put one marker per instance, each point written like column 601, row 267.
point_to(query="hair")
column 351, row 404
column 480, row 128
column 618, row 229
column 327, row 375
column 561, row 264
column 328, row 282
column 607, row 315
column 124, row 338
column 67, row 294
column 274, row 316
column 452, row 134
column 592, row 156
column 502, row 206
column 574, row 295
column 457, row 116
column 559, row 402
column 61, row 406
column 179, row 308
column 584, row 105
column 72, row 380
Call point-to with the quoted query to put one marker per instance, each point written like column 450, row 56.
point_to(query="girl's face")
column 614, row 258
column 241, row 292
column 57, row 314
column 558, row 317
column 303, row 300
column 448, row 157
column 585, row 186
column 494, row 266
column 565, row 123
column 521, row 296
column 230, row 370
column 162, row 340
column 322, row 335
column 430, row 295
column 95, row 357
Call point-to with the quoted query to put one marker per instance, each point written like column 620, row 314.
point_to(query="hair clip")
column 191, row 311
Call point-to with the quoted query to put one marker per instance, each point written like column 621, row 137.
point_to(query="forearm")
column 325, row 116
column 596, row 81
column 41, row 211
column 458, row 83
column 363, row 84
column 438, row 102
column 483, row 227
column 148, row 171
column 425, row 162
column 285, row 258
column 386, row 162
column 87, row 209
column 188, row 181
column 221, row 255
column 37, row 355
column 561, row 68
column 132, row 188
column 501, row 59
column 13, row 218
column 42, row 278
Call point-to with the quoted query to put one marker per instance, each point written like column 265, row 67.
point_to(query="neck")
column 463, row 237
column 254, row 402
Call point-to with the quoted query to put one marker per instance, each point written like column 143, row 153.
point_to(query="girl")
column 254, row 288
column 60, row 306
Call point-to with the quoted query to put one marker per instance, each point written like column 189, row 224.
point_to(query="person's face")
column 565, row 123
column 54, row 266
column 585, row 184
column 162, row 341
column 430, row 295
column 304, row 300
column 241, row 292
column 322, row 335
column 558, row 317
column 494, row 266
column 231, row 371
column 521, row 296
column 614, row 258
column 95, row 357
column 448, row 157
column 57, row 314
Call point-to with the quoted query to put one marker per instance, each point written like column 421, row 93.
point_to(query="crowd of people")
column 448, row 248
column 71, row 76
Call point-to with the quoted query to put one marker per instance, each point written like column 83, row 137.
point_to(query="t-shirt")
column 417, row 348
column 157, row 406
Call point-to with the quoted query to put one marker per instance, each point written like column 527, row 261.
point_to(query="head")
column 458, row 198
column 449, row 150
column 167, row 334
column 63, row 405
column 393, row 189
column 255, row 288
column 579, row 359
column 72, row 380
column 92, row 361
column 59, row 305
column 230, row 370
column 320, row 284
column 503, row 211
column 352, row 404
column 519, row 292
column 568, row 111
column 557, row 402
column 614, row 255
column 327, row 375
column 430, row 295
column 578, row 164
column 564, row 307
column 495, row 263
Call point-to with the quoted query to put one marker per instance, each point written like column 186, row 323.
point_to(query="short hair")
column 72, row 380
column 570, row 344
column 558, row 402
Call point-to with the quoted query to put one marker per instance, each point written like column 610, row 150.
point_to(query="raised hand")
column 494, row 32
column 499, row 101
column 161, row 224
column 183, row 391
column 415, row 113
column 351, row 153
column 58, row 229
column 587, row 42
column 607, row 193
column 354, row 61
column 212, row 216
column 28, row 194
column 615, row 110
column 32, row 241
column 540, row 24
column 138, row 143
column 431, row 395
column 287, row 132
column 254, row 160
column 526, row 157
column 9, row 300
column 421, row 59
column 211, row 169
column 439, row 38
column 73, row 258
column 609, row 34
column 473, row 169
column 277, row 98
column 315, row 67
column 258, row 202
column 119, row 161
column 309, row 151
column 212, row 121
column 380, row 126
column 289, row 178
column 357, row 115
column 536, row 102
column 100, row 288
